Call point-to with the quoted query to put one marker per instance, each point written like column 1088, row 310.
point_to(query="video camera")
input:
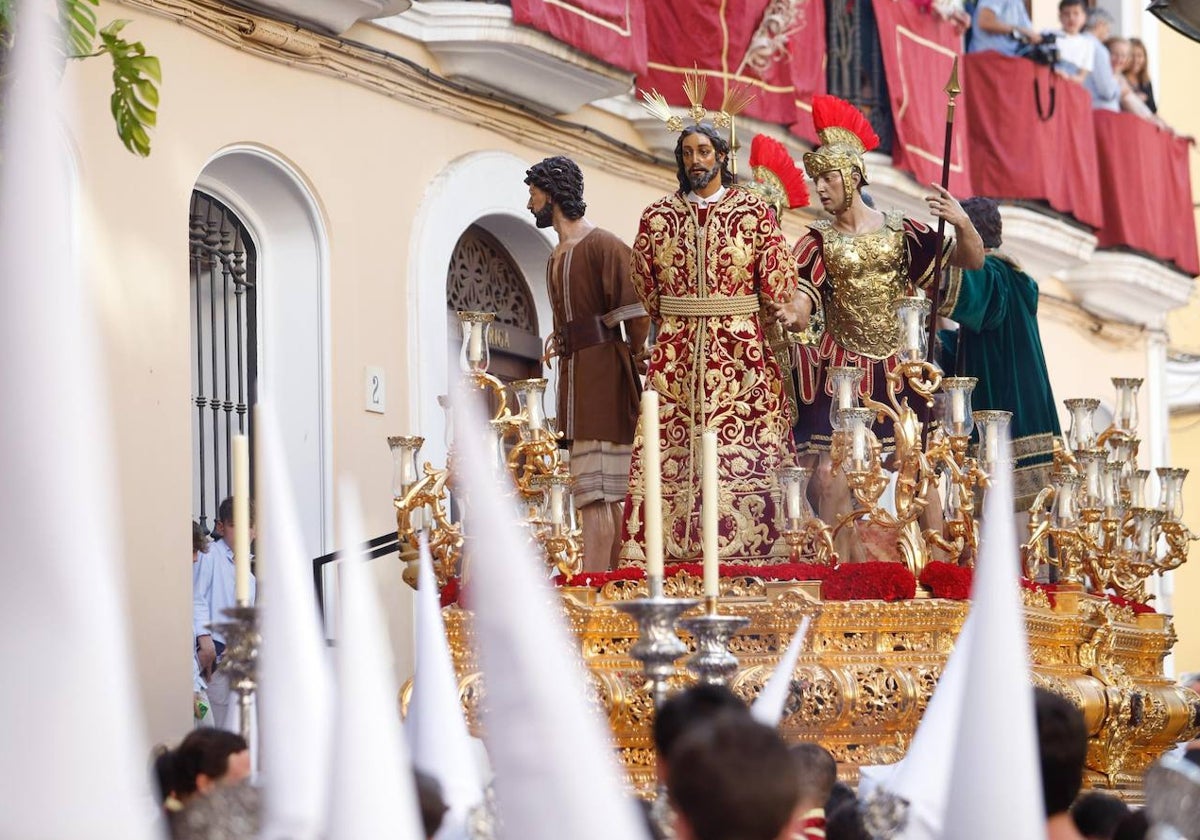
column 1045, row 52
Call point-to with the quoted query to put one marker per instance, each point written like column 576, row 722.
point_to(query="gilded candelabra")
column 1094, row 524
column 523, row 443
column 921, row 460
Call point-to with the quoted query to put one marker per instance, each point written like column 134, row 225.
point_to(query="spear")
column 952, row 90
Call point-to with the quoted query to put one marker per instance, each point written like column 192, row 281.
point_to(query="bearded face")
column 541, row 205
column 543, row 217
column 699, row 177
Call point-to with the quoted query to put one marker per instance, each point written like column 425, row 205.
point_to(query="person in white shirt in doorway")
column 214, row 591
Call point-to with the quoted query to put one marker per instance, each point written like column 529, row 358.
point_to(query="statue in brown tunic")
column 600, row 330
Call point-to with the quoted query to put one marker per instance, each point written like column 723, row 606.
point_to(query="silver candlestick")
column 240, row 662
column 712, row 662
column 658, row 645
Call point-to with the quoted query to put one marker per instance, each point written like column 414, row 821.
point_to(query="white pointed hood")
column 295, row 684
column 65, row 645
column 768, row 706
column 373, row 796
column 996, row 769
column 556, row 770
column 437, row 732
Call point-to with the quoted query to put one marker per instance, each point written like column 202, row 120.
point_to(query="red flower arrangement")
column 947, row 580
column 778, row 571
column 874, row 580
column 1137, row 608
column 450, row 592
column 1034, row 586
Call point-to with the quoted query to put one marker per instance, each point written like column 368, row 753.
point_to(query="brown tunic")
column 597, row 384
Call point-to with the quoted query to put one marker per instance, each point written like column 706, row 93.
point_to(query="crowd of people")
column 1085, row 49
column 728, row 776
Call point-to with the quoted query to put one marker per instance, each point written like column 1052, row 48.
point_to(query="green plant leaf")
column 134, row 101
column 79, row 25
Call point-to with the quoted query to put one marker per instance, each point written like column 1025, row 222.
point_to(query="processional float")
column 872, row 657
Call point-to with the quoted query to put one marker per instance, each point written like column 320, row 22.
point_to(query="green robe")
column 999, row 342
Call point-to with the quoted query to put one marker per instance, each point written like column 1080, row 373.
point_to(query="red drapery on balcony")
column 1144, row 181
column 1017, row 155
column 776, row 47
column 613, row 31
column 918, row 53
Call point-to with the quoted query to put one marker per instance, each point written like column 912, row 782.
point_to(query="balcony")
column 480, row 45
column 332, row 16
column 1062, row 171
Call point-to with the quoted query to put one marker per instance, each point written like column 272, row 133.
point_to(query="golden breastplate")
column 865, row 274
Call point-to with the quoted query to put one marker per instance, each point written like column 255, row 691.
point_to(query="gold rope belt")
column 708, row 307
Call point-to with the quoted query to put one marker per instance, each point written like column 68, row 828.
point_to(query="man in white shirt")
column 215, row 591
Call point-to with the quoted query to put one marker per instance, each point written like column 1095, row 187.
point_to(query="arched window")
column 223, row 268
column 483, row 277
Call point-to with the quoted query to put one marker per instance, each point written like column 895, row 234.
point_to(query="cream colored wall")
column 1185, row 452
column 1083, row 354
column 1179, row 65
column 368, row 159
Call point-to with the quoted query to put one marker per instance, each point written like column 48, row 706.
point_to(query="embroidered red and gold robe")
column 701, row 275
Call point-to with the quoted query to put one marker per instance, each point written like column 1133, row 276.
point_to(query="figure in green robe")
column 998, row 342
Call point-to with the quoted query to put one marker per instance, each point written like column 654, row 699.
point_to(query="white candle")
column 241, row 519
column 556, row 504
column 958, row 413
column 859, row 446
column 793, row 500
column 709, row 498
column 652, row 484
column 914, row 332
column 843, row 399
column 992, row 450
column 475, row 345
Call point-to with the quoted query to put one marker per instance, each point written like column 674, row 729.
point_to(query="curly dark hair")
column 561, row 179
column 985, row 216
column 720, row 145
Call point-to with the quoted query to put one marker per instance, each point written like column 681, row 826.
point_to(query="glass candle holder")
column 844, row 382
column 856, row 425
column 993, row 431
column 531, row 395
column 1125, row 415
column 496, row 452
column 406, row 450
column 1170, row 492
column 1066, row 493
column 958, row 390
column 793, row 486
column 951, row 492
column 912, row 314
column 557, row 508
column 1082, row 432
column 1145, row 533
column 1114, row 496
column 1137, row 488
column 475, row 355
column 1092, row 463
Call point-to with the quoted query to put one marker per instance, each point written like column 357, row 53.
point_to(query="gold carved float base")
column 870, row 667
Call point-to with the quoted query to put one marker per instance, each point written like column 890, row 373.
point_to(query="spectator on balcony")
column 1119, row 52
column 1001, row 26
column 1082, row 55
column 1137, row 73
